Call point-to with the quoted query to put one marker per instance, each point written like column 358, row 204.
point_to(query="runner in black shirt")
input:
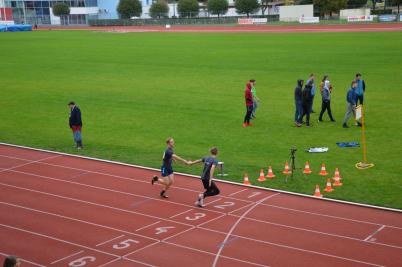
column 167, row 169
column 207, row 175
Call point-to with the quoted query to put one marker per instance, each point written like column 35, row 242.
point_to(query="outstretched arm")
column 195, row 162
column 175, row 157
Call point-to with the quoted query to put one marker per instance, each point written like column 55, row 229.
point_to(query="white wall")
column 293, row 13
column 354, row 12
column 73, row 11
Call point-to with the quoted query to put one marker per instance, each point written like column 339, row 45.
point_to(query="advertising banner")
column 387, row 18
column 360, row 18
column 309, row 19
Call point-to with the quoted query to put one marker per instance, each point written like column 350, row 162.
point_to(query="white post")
column 23, row 9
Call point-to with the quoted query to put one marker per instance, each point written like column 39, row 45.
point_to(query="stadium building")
column 40, row 12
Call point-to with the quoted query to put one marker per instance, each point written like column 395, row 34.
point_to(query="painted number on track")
column 125, row 244
column 81, row 261
column 224, row 205
column 161, row 230
column 197, row 216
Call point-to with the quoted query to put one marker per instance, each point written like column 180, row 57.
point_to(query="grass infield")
column 136, row 89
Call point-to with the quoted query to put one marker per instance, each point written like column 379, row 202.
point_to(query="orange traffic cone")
column 328, row 188
column 262, row 177
column 337, row 178
column 337, row 175
column 323, row 171
column 246, row 181
column 307, row 169
column 270, row 174
column 317, row 192
column 287, row 171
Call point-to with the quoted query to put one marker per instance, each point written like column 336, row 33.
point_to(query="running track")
column 61, row 210
column 375, row 27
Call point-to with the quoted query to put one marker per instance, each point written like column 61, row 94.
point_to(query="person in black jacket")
column 76, row 124
column 307, row 100
column 298, row 101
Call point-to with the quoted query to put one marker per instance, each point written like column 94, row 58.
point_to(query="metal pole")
column 363, row 138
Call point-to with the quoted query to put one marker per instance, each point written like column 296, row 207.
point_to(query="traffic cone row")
column 337, row 182
column 270, row 174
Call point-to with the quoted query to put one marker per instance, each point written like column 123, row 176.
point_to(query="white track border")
column 194, row 176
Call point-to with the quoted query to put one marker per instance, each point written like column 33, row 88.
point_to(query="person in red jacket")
column 249, row 104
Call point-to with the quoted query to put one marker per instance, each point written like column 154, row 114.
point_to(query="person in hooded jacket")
column 298, row 101
column 307, row 100
column 326, row 98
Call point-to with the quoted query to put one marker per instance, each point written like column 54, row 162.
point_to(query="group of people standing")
column 304, row 98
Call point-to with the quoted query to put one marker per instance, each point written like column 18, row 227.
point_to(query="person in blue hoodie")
column 361, row 89
column 351, row 104
column 298, row 101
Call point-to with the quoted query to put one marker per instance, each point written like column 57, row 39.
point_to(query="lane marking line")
column 110, row 240
column 373, row 234
column 235, row 225
column 66, row 257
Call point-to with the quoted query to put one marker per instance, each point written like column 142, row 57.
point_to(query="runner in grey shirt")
column 210, row 164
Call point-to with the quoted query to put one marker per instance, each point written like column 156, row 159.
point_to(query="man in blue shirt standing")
column 361, row 88
column 207, row 175
column 351, row 104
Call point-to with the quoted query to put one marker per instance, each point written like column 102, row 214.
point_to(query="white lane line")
column 105, row 189
column 77, row 220
column 110, row 240
column 238, row 192
column 109, row 262
column 373, row 234
column 295, row 248
column 66, row 257
column 171, row 217
column 210, row 202
column 92, row 203
column 226, row 182
column 56, row 239
column 28, row 163
column 230, row 213
column 24, row 260
column 313, row 231
column 213, row 254
column 146, row 226
column 119, row 176
column 235, row 225
column 328, row 200
column 140, row 262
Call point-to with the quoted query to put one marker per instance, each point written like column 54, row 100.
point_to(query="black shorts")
column 205, row 183
column 166, row 171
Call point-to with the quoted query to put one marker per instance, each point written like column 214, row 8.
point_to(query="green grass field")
column 135, row 90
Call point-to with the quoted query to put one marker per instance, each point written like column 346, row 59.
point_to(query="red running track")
column 374, row 27
column 62, row 210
